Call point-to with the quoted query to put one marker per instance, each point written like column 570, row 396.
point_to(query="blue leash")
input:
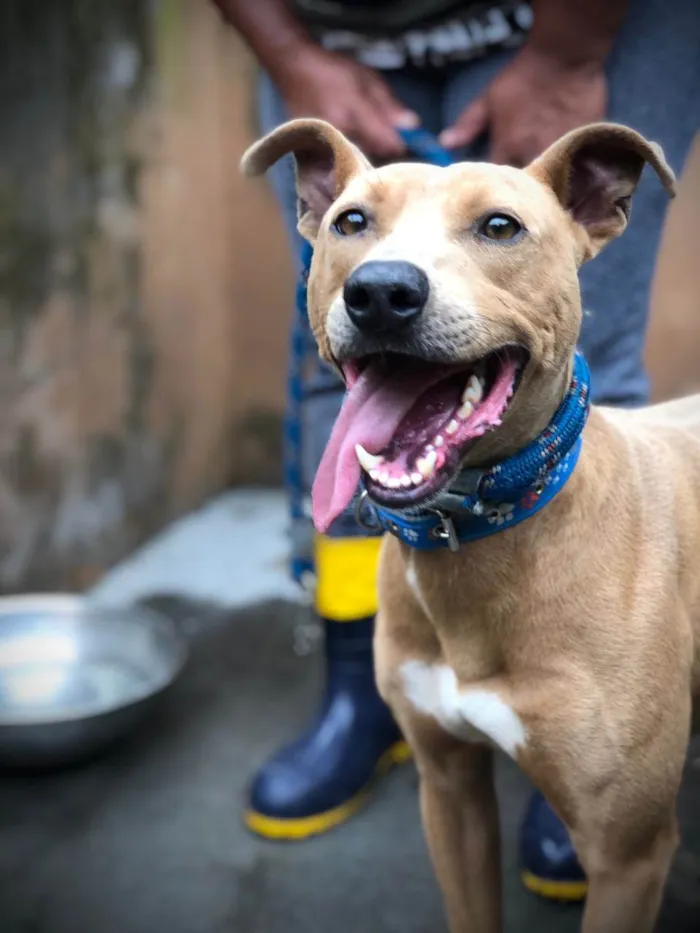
column 425, row 147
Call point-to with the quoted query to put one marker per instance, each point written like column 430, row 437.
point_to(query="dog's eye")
column 350, row 222
column 500, row 227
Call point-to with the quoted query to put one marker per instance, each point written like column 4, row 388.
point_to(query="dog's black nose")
column 383, row 297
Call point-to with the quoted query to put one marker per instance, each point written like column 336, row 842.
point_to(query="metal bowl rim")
column 65, row 604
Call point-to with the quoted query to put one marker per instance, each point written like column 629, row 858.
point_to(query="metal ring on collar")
column 445, row 531
column 362, row 500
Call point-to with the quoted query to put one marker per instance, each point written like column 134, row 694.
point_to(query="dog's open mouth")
column 406, row 424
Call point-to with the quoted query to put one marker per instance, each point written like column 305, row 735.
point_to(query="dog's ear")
column 594, row 171
column 325, row 163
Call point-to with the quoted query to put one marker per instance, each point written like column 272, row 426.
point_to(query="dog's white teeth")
column 466, row 411
column 367, row 460
column 405, row 481
column 452, row 427
column 426, row 465
column 416, row 478
column 374, row 474
column 384, row 478
column 474, row 391
column 438, row 440
column 394, row 482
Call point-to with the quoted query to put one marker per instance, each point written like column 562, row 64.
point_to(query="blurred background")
column 146, row 288
column 146, row 292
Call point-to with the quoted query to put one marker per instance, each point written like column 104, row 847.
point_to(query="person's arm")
column 317, row 83
column 554, row 84
column 269, row 27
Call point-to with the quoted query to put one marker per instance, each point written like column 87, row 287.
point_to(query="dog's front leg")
column 458, row 798
column 460, row 817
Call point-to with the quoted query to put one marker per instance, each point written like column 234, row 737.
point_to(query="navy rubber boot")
column 549, row 863
column 325, row 776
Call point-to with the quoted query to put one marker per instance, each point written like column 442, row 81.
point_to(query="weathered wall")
column 134, row 264
column 76, row 454
column 145, row 287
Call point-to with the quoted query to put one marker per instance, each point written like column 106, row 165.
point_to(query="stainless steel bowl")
column 75, row 677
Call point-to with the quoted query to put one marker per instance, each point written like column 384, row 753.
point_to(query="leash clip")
column 446, row 531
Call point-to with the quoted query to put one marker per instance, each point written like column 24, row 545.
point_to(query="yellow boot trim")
column 346, row 571
column 295, row 830
column 569, row 891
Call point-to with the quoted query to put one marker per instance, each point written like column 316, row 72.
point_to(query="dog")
column 448, row 300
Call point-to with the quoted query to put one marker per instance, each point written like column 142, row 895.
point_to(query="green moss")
column 255, row 449
column 25, row 252
column 73, row 75
column 26, row 469
column 169, row 29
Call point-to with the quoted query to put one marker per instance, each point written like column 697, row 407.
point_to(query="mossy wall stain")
column 83, row 476
column 142, row 338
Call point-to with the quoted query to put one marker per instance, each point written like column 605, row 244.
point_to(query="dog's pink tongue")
column 372, row 411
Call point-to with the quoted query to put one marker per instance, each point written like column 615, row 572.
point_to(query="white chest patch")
column 474, row 715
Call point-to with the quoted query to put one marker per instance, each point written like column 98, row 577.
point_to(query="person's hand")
column 529, row 105
column 355, row 99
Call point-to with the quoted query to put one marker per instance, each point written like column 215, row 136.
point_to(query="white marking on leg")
column 472, row 714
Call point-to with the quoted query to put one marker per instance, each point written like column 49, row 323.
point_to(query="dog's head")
column 448, row 297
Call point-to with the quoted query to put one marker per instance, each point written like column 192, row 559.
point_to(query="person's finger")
column 400, row 116
column 469, row 125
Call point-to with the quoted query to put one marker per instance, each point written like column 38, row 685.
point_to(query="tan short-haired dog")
column 449, row 300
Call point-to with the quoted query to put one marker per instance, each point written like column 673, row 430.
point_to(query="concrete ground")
column 148, row 838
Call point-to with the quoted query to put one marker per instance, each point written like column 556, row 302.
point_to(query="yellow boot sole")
column 300, row 828
column 564, row 891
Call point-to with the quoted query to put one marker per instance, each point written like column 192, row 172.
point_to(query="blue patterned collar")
column 481, row 502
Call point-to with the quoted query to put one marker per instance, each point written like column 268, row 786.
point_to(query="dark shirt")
column 395, row 33
column 387, row 16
